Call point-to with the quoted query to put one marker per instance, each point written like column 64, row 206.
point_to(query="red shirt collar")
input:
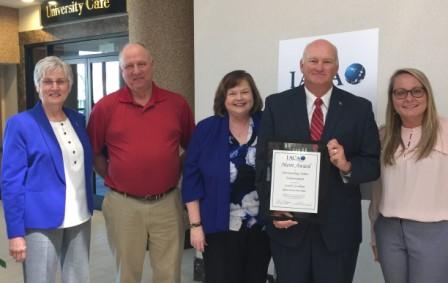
column 125, row 96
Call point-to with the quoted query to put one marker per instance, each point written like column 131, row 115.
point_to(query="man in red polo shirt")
column 142, row 127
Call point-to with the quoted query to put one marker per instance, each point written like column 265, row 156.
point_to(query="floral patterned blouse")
column 244, row 203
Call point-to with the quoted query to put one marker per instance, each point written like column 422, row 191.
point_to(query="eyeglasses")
column 416, row 92
column 50, row 83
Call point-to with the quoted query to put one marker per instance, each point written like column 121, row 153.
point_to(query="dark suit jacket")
column 350, row 120
column 33, row 178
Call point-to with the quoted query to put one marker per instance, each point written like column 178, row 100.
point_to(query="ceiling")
column 18, row 3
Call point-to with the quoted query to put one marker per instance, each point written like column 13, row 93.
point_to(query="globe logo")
column 355, row 73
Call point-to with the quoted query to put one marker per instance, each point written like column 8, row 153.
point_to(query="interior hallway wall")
column 166, row 29
column 8, row 92
column 236, row 34
column 9, row 39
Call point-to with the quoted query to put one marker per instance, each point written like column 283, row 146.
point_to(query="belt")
column 146, row 197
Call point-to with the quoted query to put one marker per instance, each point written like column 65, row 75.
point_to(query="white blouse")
column 76, row 211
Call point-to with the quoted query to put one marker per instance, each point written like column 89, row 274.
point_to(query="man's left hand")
column 337, row 156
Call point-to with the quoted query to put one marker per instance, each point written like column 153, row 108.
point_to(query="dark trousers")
column 237, row 257
column 312, row 262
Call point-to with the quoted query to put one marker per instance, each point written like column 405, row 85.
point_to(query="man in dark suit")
column 324, row 251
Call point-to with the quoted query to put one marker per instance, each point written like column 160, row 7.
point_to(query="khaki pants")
column 133, row 225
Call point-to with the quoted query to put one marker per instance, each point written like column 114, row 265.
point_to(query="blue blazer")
column 206, row 174
column 350, row 120
column 33, row 179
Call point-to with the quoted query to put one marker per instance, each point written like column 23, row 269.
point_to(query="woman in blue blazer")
column 46, row 182
column 218, row 186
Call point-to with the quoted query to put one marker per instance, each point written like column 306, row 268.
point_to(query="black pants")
column 312, row 262
column 237, row 257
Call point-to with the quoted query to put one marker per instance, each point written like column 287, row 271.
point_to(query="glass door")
column 93, row 78
column 79, row 95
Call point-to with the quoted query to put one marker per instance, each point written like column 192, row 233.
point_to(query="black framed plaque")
column 296, row 174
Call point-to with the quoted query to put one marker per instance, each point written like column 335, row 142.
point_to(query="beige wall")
column 9, row 57
column 245, row 34
column 8, row 92
column 166, row 28
column 9, row 37
column 29, row 18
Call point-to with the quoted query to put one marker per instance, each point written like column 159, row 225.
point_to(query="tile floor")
column 102, row 268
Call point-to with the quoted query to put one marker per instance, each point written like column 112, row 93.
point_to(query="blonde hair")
column 392, row 131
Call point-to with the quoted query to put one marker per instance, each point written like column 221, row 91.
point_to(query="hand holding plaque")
column 295, row 180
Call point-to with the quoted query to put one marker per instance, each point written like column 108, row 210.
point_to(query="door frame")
column 98, row 199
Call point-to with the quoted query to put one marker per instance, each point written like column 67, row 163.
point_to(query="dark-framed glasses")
column 416, row 92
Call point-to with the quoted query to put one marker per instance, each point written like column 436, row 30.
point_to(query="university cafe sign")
column 63, row 11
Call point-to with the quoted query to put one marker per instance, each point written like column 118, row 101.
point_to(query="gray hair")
column 120, row 55
column 50, row 63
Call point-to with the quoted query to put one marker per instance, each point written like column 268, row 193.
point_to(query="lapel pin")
column 340, row 103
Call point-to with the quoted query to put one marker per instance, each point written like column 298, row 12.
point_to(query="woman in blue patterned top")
column 219, row 186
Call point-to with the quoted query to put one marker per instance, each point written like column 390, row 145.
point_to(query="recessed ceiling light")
column 27, row 1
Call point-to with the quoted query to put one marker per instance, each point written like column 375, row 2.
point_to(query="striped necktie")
column 317, row 121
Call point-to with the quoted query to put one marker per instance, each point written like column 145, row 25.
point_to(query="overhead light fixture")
column 52, row 3
column 27, row 1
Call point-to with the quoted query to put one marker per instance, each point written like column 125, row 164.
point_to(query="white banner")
column 358, row 62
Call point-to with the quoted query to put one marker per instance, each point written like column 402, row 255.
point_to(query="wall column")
column 166, row 28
